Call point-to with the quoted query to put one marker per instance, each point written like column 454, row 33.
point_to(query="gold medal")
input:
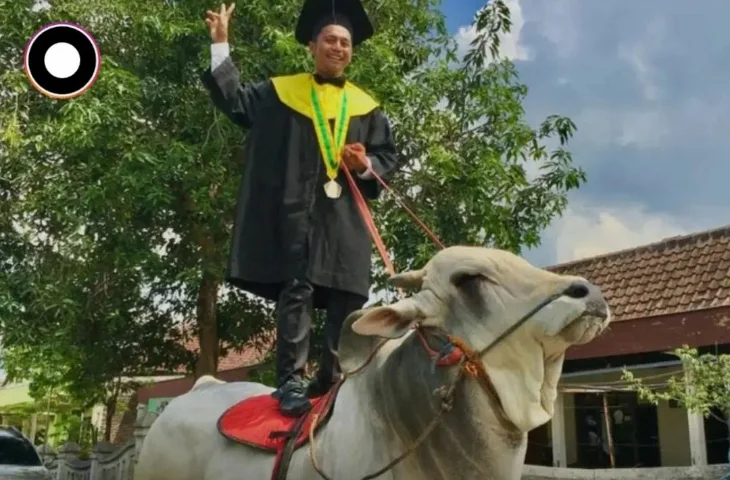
column 332, row 189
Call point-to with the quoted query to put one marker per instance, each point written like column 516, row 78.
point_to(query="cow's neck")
column 468, row 443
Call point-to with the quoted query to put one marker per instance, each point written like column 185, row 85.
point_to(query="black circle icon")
column 62, row 60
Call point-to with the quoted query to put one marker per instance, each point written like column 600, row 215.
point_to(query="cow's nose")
column 580, row 289
column 591, row 294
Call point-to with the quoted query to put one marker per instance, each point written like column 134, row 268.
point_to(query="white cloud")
column 653, row 127
column 587, row 231
column 623, row 126
column 639, row 55
column 558, row 24
column 510, row 46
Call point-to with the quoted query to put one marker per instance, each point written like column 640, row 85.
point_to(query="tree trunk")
column 727, row 422
column 111, row 409
column 207, row 326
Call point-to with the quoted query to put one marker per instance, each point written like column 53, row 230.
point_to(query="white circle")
column 62, row 60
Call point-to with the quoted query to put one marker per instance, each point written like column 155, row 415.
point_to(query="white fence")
column 710, row 472
column 106, row 461
column 109, row 462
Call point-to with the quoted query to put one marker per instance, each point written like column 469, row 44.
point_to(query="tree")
column 86, row 337
column 703, row 386
column 144, row 168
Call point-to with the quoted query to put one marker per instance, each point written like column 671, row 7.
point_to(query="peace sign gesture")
column 218, row 23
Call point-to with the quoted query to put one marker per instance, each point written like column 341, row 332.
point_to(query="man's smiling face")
column 332, row 50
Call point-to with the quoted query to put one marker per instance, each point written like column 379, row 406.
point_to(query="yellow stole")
column 294, row 92
column 321, row 103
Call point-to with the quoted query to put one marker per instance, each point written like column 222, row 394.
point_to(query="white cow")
column 475, row 294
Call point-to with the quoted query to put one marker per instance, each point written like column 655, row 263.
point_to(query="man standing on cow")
column 298, row 238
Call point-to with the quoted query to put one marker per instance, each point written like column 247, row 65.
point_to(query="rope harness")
column 455, row 353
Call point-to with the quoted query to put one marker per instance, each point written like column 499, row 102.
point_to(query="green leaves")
column 703, row 386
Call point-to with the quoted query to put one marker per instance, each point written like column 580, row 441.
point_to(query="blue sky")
column 460, row 12
column 647, row 85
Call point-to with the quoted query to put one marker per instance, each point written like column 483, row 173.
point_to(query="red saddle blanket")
column 258, row 422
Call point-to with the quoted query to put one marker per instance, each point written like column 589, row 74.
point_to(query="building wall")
column 571, row 449
column 673, row 436
column 14, row 394
column 157, row 404
column 122, row 430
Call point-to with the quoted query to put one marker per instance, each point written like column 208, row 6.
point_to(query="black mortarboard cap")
column 317, row 14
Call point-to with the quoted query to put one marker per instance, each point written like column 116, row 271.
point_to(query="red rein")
column 367, row 217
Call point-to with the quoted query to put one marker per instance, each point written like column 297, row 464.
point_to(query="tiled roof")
column 678, row 274
column 252, row 354
column 246, row 358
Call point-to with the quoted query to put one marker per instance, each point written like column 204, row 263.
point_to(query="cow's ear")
column 392, row 321
column 363, row 330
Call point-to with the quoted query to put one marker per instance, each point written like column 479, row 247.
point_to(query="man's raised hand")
column 218, row 23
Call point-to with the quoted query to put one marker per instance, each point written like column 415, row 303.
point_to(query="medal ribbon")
column 330, row 147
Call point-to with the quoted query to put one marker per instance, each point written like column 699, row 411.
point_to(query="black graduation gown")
column 285, row 226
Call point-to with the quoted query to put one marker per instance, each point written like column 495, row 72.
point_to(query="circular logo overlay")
column 62, row 60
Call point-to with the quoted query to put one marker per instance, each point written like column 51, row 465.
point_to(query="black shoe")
column 293, row 401
column 318, row 387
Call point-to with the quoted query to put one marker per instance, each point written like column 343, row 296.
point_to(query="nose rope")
column 547, row 301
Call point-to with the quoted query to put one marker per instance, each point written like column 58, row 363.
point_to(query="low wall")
column 712, row 472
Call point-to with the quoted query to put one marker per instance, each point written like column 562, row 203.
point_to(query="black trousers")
column 295, row 313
